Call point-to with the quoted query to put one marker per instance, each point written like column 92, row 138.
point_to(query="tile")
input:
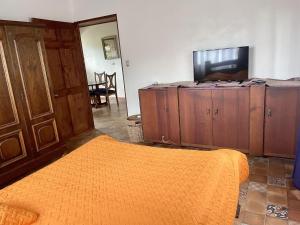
column 258, row 178
column 255, row 186
column 276, row 171
column 275, row 221
column 277, row 181
column 243, row 196
column 294, row 194
column 260, row 171
column 294, row 204
column 277, row 211
column 277, row 199
column 277, row 190
column 294, row 215
column 256, row 202
column 253, row 219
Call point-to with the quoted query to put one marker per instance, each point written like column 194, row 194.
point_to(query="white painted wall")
column 23, row 10
column 93, row 53
column 158, row 36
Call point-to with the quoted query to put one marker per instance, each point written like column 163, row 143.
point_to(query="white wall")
column 158, row 36
column 23, row 10
column 93, row 53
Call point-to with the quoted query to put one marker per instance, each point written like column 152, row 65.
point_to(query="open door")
column 67, row 71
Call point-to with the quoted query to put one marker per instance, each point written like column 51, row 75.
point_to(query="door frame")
column 102, row 20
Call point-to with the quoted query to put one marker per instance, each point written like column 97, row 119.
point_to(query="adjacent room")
column 102, row 57
column 149, row 113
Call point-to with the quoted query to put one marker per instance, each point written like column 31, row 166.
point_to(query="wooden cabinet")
column 159, row 107
column 215, row 117
column 28, row 131
column 282, row 121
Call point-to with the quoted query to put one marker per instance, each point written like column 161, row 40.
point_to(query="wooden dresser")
column 259, row 120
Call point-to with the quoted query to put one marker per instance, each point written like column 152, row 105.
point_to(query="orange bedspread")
column 106, row 182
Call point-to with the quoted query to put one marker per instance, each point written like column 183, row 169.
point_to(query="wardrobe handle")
column 269, row 112
column 216, row 112
column 208, row 111
column 56, row 96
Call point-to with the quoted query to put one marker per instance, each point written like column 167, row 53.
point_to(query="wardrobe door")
column 72, row 101
column 13, row 136
column 28, row 56
column 195, row 116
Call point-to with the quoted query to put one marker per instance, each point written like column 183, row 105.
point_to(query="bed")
column 106, row 182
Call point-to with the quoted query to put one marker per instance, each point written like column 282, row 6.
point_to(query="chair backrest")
column 100, row 77
column 111, row 81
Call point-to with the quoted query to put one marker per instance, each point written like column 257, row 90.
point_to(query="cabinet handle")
column 56, row 96
column 208, row 112
column 269, row 113
column 163, row 139
column 216, row 112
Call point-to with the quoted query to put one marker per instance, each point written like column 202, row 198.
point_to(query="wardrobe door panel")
column 56, row 69
column 14, row 144
column 8, row 111
column 68, row 59
column 45, row 134
column 32, row 70
column 12, row 148
column 79, row 113
column 29, row 58
column 63, row 118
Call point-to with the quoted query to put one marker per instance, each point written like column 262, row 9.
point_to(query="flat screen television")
column 227, row 64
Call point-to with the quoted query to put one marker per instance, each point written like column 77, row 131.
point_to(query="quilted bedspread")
column 106, row 182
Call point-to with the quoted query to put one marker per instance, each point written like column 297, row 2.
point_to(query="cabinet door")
column 72, row 102
column 231, row 118
column 195, row 116
column 160, row 117
column 28, row 56
column 153, row 106
column 14, row 145
column 281, row 121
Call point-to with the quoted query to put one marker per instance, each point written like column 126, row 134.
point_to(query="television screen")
column 227, row 64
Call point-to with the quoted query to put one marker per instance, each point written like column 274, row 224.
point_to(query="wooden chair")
column 110, row 88
column 100, row 80
column 99, row 77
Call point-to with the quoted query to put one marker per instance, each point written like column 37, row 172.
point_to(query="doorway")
column 103, row 63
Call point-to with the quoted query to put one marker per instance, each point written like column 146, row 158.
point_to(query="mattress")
column 106, row 182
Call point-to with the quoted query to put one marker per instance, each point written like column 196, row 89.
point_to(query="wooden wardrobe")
column 35, row 115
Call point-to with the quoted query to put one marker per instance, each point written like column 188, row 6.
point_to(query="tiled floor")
column 267, row 198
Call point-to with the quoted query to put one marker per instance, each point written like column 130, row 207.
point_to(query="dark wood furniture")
column 28, row 128
column 282, row 121
column 258, row 120
column 72, row 102
column 218, row 117
column 160, row 119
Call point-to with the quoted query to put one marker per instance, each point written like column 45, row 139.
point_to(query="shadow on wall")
column 91, row 38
